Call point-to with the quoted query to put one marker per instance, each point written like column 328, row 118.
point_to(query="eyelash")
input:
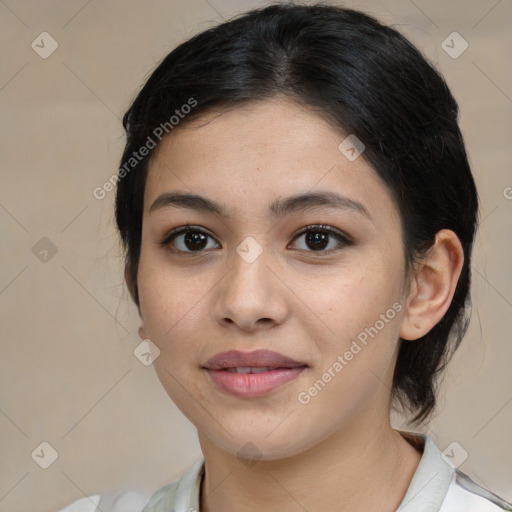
column 316, row 228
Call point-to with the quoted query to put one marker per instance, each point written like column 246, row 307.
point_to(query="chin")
column 251, row 445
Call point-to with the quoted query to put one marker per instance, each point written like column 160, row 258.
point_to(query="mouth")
column 251, row 369
column 252, row 374
column 234, row 359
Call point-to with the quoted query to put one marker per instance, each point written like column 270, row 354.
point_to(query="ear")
column 433, row 286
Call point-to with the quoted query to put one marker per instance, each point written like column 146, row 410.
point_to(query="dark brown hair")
column 362, row 76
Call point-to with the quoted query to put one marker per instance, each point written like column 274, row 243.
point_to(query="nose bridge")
column 250, row 292
column 250, row 273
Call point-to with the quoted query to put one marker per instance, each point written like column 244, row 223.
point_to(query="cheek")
column 169, row 295
column 359, row 349
column 170, row 309
column 355, row 300
column 359, row 357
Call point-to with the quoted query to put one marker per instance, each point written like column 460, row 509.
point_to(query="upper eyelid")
column 183, row 229
column 324, row 227
column 342, row 236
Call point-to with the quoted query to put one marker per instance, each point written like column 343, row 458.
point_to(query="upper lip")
column 256, row 358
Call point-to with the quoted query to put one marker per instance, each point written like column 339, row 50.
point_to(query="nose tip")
column 249, row 326
column 250, row 296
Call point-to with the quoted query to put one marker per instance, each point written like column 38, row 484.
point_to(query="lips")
column 252, row 374
column 256, row 359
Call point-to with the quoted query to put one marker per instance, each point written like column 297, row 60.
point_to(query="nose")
column 250, row 296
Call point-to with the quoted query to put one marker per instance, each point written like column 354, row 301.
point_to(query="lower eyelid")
column 173, row 234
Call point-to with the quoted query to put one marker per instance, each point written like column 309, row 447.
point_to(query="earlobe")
column 433, row 286
column 142, row 333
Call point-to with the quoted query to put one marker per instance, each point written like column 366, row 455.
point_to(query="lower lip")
column 250, row 385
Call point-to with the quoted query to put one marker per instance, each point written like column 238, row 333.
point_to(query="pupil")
column 319, row 240
column 192, row 238
column 195, row 240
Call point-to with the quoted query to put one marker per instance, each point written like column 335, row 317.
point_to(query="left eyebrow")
column 277, row 209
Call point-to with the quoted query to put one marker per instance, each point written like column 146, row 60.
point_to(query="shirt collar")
column 430, row 481
column 426, row 491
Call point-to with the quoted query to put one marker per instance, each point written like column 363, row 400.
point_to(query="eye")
column 190, row 239
column 318, row 238
column 187, row 239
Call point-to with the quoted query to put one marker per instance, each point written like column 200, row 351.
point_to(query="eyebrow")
column 277, row 209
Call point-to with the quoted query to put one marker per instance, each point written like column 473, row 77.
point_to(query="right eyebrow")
column 277, row 209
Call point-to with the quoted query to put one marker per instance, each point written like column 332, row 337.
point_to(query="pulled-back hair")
column 364, row 78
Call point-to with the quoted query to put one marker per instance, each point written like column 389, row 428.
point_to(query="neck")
column 347, row 471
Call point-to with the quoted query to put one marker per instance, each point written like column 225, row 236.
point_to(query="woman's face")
column 253, row 276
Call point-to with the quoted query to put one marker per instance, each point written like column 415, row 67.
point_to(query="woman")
column 298, row 214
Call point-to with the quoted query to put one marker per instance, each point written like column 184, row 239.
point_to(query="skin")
column 308, row 305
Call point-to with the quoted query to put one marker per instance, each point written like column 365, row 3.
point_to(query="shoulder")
column 465, row 495
column 183, row 492
column 439, row 486
column 129, row 501
column 163, row 500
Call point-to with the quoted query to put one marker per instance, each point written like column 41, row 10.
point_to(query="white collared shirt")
column 437, row 486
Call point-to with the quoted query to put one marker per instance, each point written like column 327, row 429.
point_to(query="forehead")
column 248, row 156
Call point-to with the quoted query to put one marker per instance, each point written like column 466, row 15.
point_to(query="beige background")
column 67, row 374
